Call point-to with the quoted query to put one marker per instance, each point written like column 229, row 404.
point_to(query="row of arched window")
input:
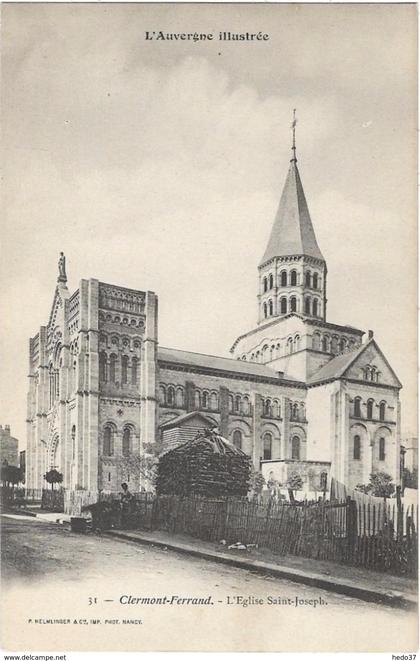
column 110, row 366
column 267, row 445
column 117, row 341
column 118, row 319
column 172, row 396
column 311, row 306
column 239, row 404
column 297, row 411
column 357, row 448
column 370, row 404
column 110, row 436
column 291, row 279
column 271, row 408
column 332, row 344
column 371, row 373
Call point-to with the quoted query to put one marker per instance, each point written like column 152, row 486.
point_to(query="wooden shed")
column 208, row 465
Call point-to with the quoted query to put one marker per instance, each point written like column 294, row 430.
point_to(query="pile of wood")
column 208, row 465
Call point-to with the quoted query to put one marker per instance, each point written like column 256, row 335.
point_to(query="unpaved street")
column 60, row 574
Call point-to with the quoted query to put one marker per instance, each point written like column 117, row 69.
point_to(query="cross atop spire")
column 294, row 159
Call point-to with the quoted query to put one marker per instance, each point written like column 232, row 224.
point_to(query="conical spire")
column 292, row 232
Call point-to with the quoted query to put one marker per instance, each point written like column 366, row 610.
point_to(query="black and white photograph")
column 208, row 420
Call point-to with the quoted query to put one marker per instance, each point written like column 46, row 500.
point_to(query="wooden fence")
column 383, row 538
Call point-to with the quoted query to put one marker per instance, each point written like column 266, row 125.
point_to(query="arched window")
column 265, row 284
column 316, row 341
column 170, row 396
column 265, row 309
column 162, row 395
column 283, row 278
column 102, row 366
column 197, row 399
column 356, row 447
column 369, row 409
column 315, row 307
column 381, row 449
column 307, row 279
column 293, row 304
column 124, row 369
column 294, row 411
column 325, row 343
column 112, row 361
column 334, row 344
column 296, row 344
column 323, row 478
column 283, row 305
column 307, row 305
column 134, row 370
column 245, row 405
column 108, row 444
column 238, row 404
column 126, row 442
column 179, row 398
column 296, row 448
column 205, row 400
column 268, row 411
column 382, row 409
column 315, row 281
column 270, row 281
column 270, row 307
column 289, row 345
column 213, row 401
column 293, row 278
column 237, row 439
column 357, row 407
column 343, row 344
column 373, row 374
column 73, row 442
column 231, row 403
column 267, row 445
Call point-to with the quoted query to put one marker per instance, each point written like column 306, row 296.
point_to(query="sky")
column 159, row 165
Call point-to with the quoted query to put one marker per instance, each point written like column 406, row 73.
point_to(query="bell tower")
column 292, row 273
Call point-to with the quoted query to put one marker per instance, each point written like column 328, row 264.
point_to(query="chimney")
column 370, row 334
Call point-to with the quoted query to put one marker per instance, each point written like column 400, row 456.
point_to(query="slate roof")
column 336, row 366
column 201, row 360
column 292, row 232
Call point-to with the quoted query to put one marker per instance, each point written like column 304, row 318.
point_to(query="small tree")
column 53, row 477
column 380, row 484
column 11, row 476
column 294, row 483
column 256, row 483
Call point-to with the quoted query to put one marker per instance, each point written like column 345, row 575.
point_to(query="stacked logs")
column 209, row 465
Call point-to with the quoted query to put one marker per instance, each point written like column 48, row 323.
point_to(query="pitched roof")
column 201, row 360
column 185, row 418
column 292, row 232
column 336, row 367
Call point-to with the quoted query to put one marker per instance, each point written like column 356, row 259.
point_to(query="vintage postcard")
column 209, row 274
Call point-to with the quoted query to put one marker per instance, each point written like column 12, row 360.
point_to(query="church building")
column 299, row 394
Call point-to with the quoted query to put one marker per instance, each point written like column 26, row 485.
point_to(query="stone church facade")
column 298, row 394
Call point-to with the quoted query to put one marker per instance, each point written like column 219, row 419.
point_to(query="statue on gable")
column 62, row 268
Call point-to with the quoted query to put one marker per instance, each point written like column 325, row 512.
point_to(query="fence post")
column 400, row 515
column 351, row 525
